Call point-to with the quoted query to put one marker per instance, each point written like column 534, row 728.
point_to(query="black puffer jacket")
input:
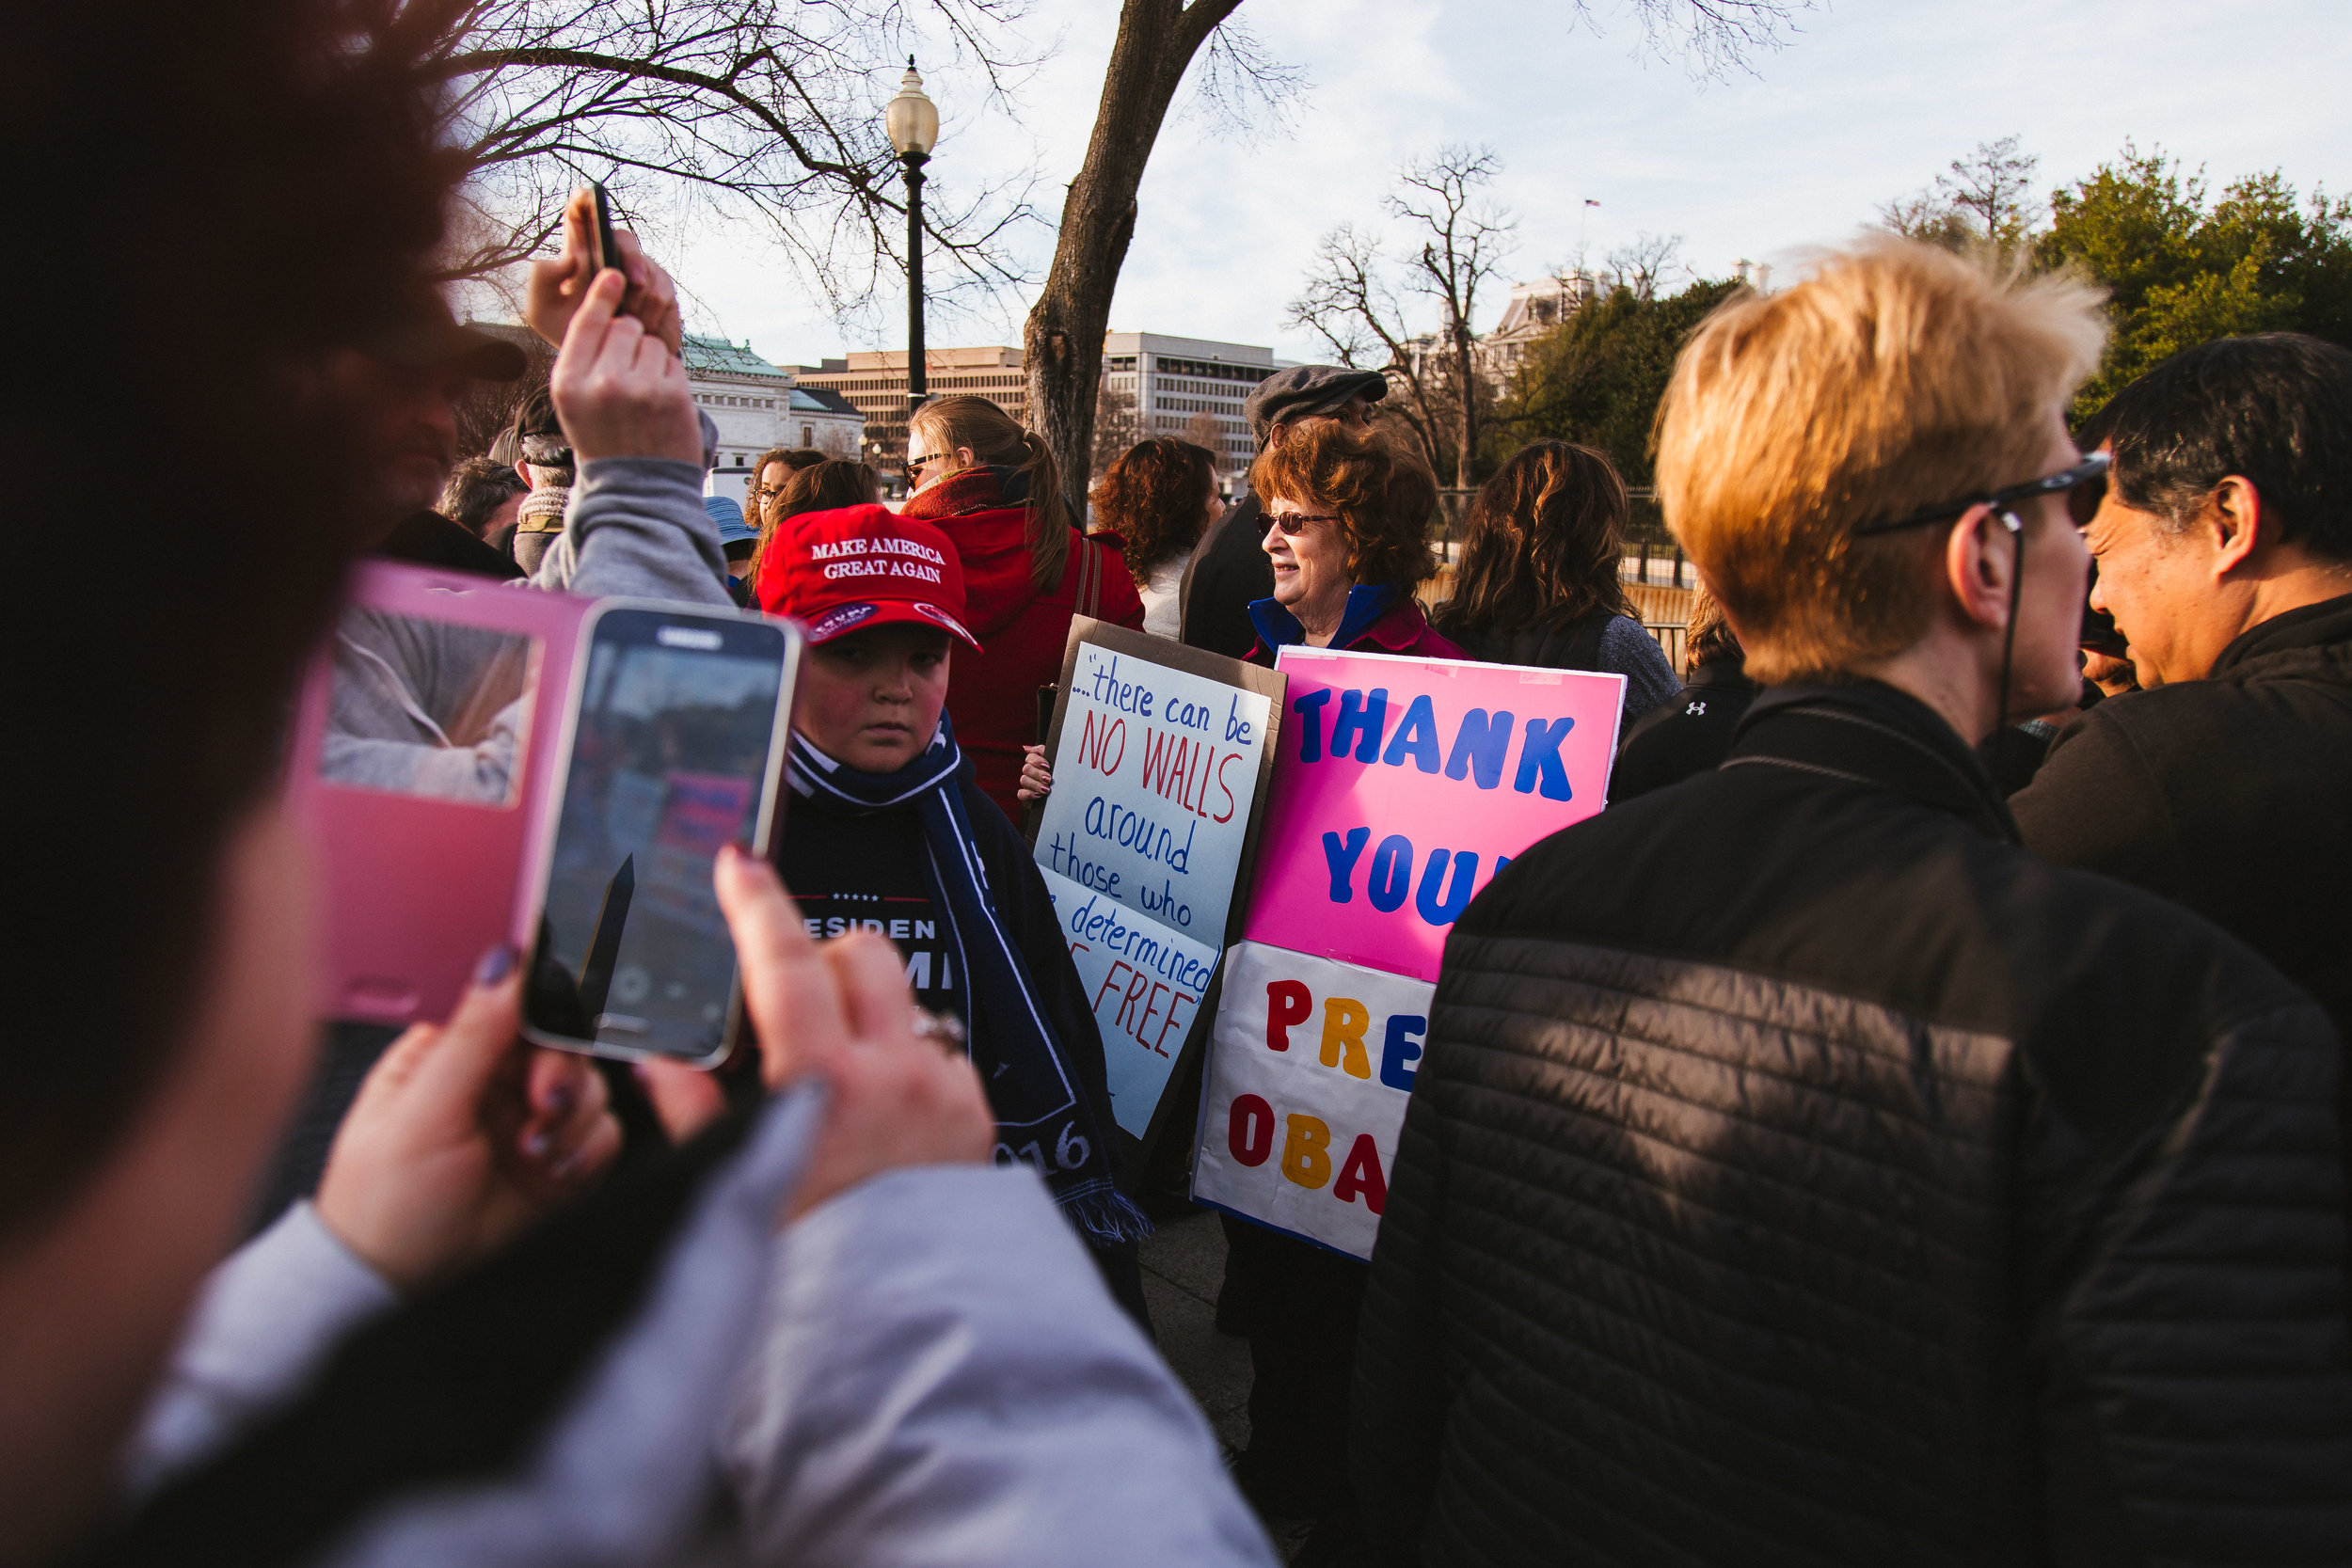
column 1800, row 1173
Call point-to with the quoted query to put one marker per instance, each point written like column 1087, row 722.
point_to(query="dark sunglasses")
column 915, row 464
column 2084, row 484
column 1295, row 523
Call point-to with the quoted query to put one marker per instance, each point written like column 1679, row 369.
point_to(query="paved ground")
column 1184, row 1263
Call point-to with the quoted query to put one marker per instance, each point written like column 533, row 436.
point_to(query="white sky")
column 1869, row 100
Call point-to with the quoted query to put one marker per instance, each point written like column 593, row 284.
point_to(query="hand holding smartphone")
column 592, row 244
column 674, row 747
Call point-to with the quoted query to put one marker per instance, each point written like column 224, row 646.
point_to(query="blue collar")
column 1366, row 603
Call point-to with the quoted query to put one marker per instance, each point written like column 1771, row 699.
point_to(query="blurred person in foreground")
column 1797, row 1166
column 1540, row 580
column 1229, row 572
column 994, row 489
column 1691, row 732
column 482, row 497
column 1157, row 499
column 552, row 1401
column 2224, row 551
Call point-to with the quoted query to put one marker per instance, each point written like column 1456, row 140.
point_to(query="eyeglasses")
column 1293, row 523
column 915, row 464
column 2084, row 484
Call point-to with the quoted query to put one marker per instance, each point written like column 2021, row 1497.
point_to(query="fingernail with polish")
column 557, row 1102
column 536, row 1142
column 496, row 965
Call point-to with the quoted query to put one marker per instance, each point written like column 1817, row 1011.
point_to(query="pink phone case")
column 414, row 888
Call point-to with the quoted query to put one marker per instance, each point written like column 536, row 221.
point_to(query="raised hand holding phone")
column 619, row 392
column 558, row 287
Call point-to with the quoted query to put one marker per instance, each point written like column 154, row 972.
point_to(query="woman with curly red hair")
column 1158, row 499
column 1347, row 516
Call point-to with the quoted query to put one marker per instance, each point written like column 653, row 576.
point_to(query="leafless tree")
column 757, row 110
column 1639, row 265
column 1457, row 241
column 1117, row 425
column 1980, row 202
column 1989, row 185
column 1201, row 431
column 1157, row 40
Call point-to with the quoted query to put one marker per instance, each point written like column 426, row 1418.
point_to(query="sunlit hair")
column 996, row 440
column 1384, row 496
column 827, row 485
column 1543, row 544
column 1155, row 498
column 1899, row 376
column 1709, row 637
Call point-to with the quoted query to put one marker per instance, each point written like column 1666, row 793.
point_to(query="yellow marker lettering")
column 1344, row 1021
column 1307, row 1151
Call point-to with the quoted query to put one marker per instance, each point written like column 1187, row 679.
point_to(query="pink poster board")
column 1402, row 785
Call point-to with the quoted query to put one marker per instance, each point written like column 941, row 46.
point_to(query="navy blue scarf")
column 1042, row 1116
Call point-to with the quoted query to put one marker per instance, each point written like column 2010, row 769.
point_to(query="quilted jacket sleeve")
column 2190, row 1263
column 1398, row 1402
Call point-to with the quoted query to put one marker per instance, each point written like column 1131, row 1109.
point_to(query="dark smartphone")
column 675, row 745
column 607, row 250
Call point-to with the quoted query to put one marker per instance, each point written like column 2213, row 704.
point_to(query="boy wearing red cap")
column 888, row 832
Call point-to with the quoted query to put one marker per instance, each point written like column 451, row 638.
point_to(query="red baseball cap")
column 839, row 572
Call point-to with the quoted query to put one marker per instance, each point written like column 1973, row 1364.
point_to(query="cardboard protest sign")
column 1403, row 786
column 1311, row 1063
column 1160, row 755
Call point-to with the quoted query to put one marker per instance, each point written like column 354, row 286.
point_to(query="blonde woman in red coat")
column 994, row 490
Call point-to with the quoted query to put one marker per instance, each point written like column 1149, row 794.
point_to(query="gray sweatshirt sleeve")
column 266, row 1321
column 636, row 528
column 943, row 1380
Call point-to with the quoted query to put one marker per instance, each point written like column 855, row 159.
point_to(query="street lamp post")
column 912, row 122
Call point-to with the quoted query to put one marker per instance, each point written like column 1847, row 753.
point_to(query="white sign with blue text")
column 1141, row 844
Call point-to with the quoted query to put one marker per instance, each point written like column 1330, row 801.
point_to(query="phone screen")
column 675, row 752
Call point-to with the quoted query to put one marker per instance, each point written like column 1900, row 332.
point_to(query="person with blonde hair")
column 994, row 490
column 1799, row 1168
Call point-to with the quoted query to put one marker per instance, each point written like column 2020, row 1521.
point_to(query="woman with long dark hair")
column 1538, row 581
column 996, row 492
column 1159, row 497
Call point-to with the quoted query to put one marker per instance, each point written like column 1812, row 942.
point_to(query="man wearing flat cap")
column 1230, row 571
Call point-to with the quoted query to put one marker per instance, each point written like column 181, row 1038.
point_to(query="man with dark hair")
column 2224, row 550
column 1229, row 571
column 483, row 496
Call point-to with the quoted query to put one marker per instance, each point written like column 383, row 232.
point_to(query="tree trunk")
column 1466, row 391
column 1062, row 344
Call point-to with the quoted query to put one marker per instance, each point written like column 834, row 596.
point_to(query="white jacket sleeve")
column 269, row 1318
column 943, row 1380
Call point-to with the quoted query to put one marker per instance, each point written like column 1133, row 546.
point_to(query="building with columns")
column 757, row 406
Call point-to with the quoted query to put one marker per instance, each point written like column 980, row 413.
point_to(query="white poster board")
column 1310, row 1068
column 1141, row 841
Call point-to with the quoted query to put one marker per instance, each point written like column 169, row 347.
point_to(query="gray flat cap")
column 1305, row 391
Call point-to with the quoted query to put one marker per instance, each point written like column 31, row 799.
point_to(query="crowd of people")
column 1908, row 1124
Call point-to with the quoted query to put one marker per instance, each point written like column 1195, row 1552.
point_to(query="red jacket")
column 991, row 695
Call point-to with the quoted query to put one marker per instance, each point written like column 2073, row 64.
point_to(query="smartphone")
column 673, row 745
column 607, row 250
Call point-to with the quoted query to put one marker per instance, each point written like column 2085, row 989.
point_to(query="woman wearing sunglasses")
column 996, row 492
column 1347, row 515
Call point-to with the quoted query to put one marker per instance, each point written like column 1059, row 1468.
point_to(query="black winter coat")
column 1800, row 1173
column 1228, row 573
column 1688, row 734
column 2231, row 794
